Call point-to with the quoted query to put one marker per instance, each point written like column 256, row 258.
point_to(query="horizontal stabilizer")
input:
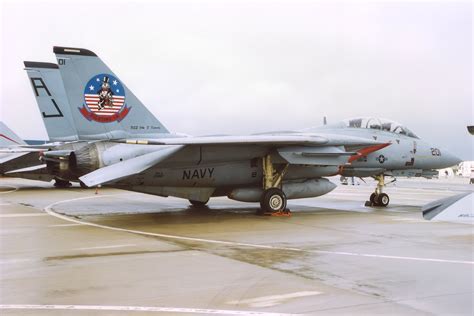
column 454, row 208
column 128, row 167
column 38, row 172
column 11, row 156
column 19, row 150
column 28, row 169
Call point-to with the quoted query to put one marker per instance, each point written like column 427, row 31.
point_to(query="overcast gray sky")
column 238, row 67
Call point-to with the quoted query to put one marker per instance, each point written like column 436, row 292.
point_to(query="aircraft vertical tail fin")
column 100, row 102
column 51, row 98
column 8, row 137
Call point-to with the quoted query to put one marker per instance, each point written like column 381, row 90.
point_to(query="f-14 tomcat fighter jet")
column 18, row 157
column 142, row 155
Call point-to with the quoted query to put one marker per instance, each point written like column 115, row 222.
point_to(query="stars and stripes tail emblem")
column 104, row 99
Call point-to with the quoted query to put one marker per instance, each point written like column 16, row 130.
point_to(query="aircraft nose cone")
column 450, row 160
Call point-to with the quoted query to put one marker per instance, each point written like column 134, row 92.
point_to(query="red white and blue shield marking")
column 104, row 99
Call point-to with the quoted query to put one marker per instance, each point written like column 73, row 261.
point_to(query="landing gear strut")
column 273, row 200
column 378, row 198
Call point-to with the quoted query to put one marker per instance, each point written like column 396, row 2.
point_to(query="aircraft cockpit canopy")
column 380, row 124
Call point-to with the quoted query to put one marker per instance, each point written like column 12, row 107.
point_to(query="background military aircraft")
column 129, row 148
column 18, row 158
column 470, row 129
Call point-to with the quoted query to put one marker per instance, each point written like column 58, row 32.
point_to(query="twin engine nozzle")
column 73, row 160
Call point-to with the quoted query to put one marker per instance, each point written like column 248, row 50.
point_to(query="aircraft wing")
column 232, row 140
column 302, row 149
column 275, row 140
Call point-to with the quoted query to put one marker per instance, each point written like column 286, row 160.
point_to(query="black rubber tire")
column 273, row 200
column 261, row 210
column 373, row 199
column 198, row 203
column 383, row 200
column 59, row 183
column 83, row 185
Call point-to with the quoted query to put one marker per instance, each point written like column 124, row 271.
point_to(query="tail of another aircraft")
column 8, row 137
column 101, row 104
column 52, row 101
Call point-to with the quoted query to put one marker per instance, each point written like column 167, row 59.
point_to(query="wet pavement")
column 70, row 251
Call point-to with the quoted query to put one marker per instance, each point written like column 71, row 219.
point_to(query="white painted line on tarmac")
column 21, row 215
column 272, row 300
column 393, row 257
column 48, row 209
column 106, row 247
column 204, row 311
column 15, row 261
column 65, row 225
column 410, row 220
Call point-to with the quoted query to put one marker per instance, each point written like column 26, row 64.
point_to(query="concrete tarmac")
column 74, row 252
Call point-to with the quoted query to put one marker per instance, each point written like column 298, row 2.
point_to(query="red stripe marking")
column 6, row 137
column 367, row 150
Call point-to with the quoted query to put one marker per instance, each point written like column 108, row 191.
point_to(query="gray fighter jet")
column 129, row 148
column 16, row 155
column 17, row 158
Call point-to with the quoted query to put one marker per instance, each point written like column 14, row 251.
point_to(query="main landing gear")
column 273, row 200
column 59, row 183
column 198, row 203
column 378, row 198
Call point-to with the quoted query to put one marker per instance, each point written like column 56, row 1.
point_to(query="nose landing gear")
column 378, row 198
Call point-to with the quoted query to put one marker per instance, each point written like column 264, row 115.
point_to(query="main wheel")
column 383, row 199
column 373, row 199
column 198, row 203
column 59, row 183
column 273, row 200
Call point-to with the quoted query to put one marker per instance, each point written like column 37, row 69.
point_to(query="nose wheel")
column 378, row 198
column 381, row 199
